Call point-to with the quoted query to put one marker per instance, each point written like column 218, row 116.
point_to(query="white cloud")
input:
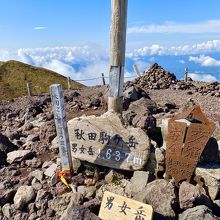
column 79, row 62
column 59, row 67
column 24, row 57
column 142, row 66
column 155, row 49
column 89, row 61
column 210, row 26
column 202, row 77
column 92, row 71
column 40, row 28
column 181, row 61
column 205, row 60
column 6, row 55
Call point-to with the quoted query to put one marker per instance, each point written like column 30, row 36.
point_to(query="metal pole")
column 29, row 92
column 61, row 126
column 136, row 70
column 103, row 79
column 117, row 54
column 186, row 74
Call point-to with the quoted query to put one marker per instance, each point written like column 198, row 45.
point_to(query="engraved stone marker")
column 119, row 207
column 105, row 141
column 188, row 134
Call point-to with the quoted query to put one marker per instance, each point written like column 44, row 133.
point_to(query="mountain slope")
column 15, row 75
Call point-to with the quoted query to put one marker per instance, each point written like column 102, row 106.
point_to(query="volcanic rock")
column 161, row 195
column 199, row 213
column 18, row 156
column 191, row 196
column 139, row 181
column 211, row 175
column 23, row 196
column 156, row 78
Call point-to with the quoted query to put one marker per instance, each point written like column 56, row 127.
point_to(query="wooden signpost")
column 105, row 140
column 117, row 54
column 121, row 208
column 29, row 91
column 68, row 83
column 136, row 70
column 188, row 134
column 186, row 74
column 61, row 126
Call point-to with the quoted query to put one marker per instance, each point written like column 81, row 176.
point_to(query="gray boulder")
column 88, row 192
column 80, row 213
column 33, row 137
column 6, row 146
column 139, row 181
column 42, row 199
column 51, row 170
column 131, row 93
column 23, row 196
column 198, row 213
column 38, row 174
column 75, row 200
column 120, row 187
column 143, row 105
column 211, row 175
column 18, row 156
column 161, row 195
column 190, row 196
column 8, row 211
column 60, row 203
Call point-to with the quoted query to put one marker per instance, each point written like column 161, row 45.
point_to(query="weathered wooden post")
column 186, row 70
column 68, row 83
column 103, row 79
column 104, row 140
column 29, row 91
column 136, row 70
column 61, row 126
column 117, row 54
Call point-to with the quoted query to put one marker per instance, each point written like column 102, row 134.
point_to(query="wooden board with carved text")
column 121, row 208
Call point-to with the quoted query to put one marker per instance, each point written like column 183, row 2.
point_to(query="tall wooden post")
column 117, row 54
column 136, row 70
column 68, row 83
column 186, row 74
column 61, row 126
column 29, row 91
column 103, row 79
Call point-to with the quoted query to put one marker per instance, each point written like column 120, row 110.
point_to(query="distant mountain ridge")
column 14, row 76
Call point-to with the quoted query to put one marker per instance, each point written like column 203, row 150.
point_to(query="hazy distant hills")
column 15, row 75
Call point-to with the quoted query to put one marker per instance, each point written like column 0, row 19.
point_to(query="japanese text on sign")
column 108, row 153
column 118, row 207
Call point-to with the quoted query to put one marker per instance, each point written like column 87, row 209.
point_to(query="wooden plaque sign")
column 105, row 141
column 188, row 134
column 121, row 208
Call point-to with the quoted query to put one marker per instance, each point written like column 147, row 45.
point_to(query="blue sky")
column 72, row 36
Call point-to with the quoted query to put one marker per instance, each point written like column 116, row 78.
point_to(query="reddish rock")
column 48, row 132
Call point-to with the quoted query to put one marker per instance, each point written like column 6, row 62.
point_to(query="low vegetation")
column 15, row 75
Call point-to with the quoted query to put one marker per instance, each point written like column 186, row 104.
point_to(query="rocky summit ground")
column 29, row 158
